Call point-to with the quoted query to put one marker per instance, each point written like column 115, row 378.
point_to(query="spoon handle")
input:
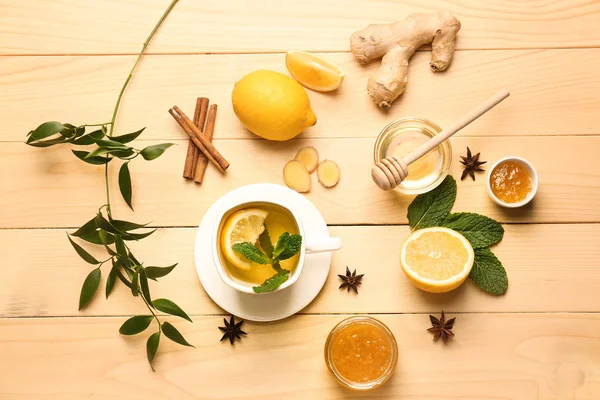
column 457, row 126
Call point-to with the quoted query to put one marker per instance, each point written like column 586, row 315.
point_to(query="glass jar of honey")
column 361, row 353
column 403, row 136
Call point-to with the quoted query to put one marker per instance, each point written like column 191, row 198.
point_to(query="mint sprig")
column 287, row 246
column 433, row 209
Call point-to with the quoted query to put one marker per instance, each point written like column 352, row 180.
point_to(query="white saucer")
column 272, row 306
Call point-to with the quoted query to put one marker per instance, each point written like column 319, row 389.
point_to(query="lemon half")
column 437, row 260
column 242, row 226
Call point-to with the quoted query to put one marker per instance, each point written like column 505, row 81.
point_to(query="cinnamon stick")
column 199, row 140
column 208, row 134
column 193, row 154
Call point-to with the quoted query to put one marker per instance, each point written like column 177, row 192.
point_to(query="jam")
column 361, row 352
column 511, row 181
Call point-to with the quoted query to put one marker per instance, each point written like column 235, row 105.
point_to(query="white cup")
column 534, row 181
column 308, row 246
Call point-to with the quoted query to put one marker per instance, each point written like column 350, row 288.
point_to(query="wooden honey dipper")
column 391, row 171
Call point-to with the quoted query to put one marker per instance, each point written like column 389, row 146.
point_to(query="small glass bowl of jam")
column 512, row 182
column 361, row 353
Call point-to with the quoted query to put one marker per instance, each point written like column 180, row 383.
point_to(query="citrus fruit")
column 272, row 105
column 314, row 72
column 242, row 226
column 436, row 260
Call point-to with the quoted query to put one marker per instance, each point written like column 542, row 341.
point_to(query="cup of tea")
column 249, row 219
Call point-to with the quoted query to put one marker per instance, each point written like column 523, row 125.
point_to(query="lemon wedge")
column 314, row 72
column 437, row 260
column 242, row 226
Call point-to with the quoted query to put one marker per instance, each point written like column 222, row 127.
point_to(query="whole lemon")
column 272, row 105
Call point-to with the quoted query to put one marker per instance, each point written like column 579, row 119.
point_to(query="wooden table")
column 66, row 60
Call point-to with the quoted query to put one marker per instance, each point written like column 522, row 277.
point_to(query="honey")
column 361, row 352
column 400, row 138
column 511, row 181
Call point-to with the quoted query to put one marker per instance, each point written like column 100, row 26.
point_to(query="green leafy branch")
column 112, row 234
column 433, row 209
column 287, row 246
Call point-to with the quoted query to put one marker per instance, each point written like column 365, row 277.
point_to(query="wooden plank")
column 545, row 100
column 550, row 267
column 113, row 26
column 501, row 356
column 52, row 188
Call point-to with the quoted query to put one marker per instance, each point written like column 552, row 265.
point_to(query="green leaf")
column 122, row 154
column 99, row 151
column 123, row 279
column 125, row 183
column 111, row 144
column 155, row 151
column 135, row 325
column 158, row 272
column 90, row 285
column 125, row 226
column 45, row 130
column 83, row 156
column 86, row 228
column 287, row 246
column 90, row 138
column 152, row 347
column 105, row 225
column 167, row 306
column 251, row 252
column 430, row 209
column 480, row 230
column 273, row 282
column 50, row 142
column 128, row 137
column 265, row 243
column 95, row 238
column 122, row 250
column 172, row 333
column 87, row 257
column 138, row 236
column 112, row 278
column 135, row 284
column 144, row 286
column 488, row 272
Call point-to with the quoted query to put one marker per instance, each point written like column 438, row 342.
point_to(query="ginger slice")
column 309, row 157
column 328, row 173
column 296, row 176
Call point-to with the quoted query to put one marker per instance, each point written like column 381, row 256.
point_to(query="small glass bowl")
column 361, row 385
column 412, row 124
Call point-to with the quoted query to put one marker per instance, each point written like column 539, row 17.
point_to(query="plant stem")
column 102, row 124
column 115, row 111
column 152, row 311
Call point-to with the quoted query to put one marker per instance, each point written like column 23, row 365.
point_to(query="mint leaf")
column 287, row 246
column 488, row 272
column 273, row 282
column 480, row 230
column 265, row 243
column 251, row 252
column 430, row 209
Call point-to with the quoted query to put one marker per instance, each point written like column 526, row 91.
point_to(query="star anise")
column 351, row 280
column 472, row 165
column 232, row 330
column 441, row 328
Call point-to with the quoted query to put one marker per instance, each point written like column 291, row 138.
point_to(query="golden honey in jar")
column 511, row 181
column 361, row 352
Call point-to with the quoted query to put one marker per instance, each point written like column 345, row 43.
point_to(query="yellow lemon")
column 437, row 260
column 314, row 72
column 242, row 226
column 272, row 105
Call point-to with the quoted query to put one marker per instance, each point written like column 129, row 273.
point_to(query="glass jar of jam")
column 361, row 353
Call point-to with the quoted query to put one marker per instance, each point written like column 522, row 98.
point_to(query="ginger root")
column 309, row 157
column 328, row 173
column 396, row 43
column 296, row 176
